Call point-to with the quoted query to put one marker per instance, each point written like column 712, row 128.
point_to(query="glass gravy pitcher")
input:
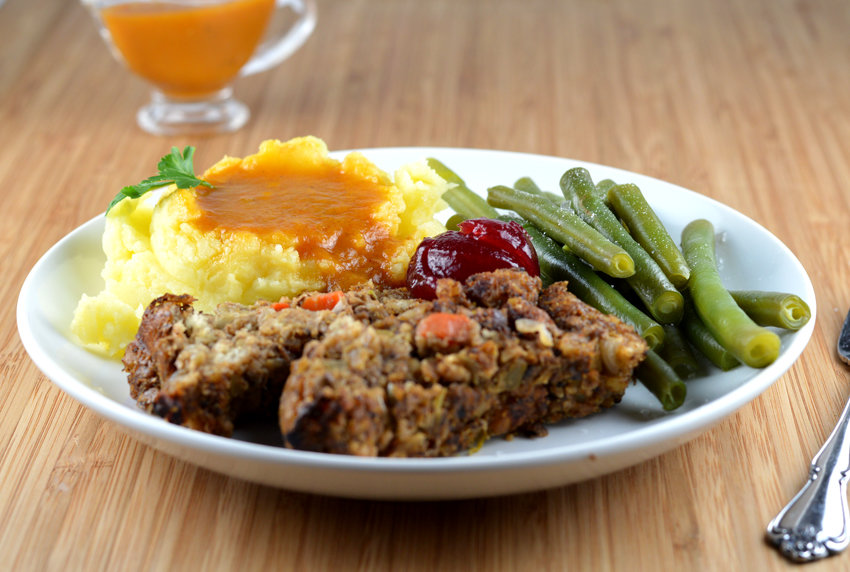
column 191, row 51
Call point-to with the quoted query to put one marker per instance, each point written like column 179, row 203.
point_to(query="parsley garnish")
column 174, row 168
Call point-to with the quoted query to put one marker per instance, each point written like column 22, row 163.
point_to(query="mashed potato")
column 276, row 223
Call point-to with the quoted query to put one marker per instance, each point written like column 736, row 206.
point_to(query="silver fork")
column 814, row 524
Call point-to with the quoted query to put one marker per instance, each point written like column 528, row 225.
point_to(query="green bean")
column 604, row 186
column 454, row 220
column 527, row 185
column 677, row 352
column 460, row 197
column 704, row 341
column 649, row 282
column 778, row 309
column 629, row 204
column 752, row 344
column 556, row 264
column 566, row 227
column 661, row 380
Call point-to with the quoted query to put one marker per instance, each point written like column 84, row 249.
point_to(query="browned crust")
column 149, row 358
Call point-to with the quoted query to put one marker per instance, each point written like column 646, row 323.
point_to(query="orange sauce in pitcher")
column 187, row 51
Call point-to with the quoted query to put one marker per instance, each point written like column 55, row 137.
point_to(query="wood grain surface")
column 744, row 101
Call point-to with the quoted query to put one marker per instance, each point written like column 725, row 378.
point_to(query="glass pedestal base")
column 219, row 113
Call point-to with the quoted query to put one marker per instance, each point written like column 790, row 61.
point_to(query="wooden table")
column 746, row 102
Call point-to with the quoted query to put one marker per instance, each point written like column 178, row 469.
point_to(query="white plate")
column 633, row 431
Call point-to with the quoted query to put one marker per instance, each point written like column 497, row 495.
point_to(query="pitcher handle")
column 274, row 50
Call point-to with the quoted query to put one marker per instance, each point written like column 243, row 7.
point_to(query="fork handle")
column 815, row 523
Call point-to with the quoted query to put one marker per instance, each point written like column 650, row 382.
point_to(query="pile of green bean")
column 606, row 241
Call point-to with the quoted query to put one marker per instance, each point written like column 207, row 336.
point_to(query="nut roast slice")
column 373, row 376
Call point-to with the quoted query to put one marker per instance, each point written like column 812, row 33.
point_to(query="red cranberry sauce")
column 480, row 245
